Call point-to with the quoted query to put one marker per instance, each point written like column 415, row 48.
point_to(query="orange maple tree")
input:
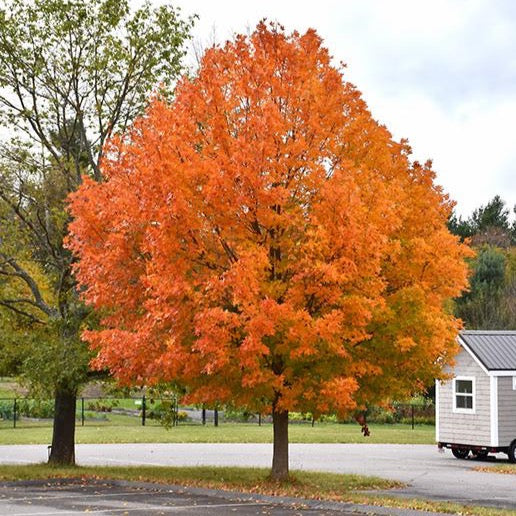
column 263, row 241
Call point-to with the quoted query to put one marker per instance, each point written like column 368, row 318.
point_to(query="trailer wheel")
column 512, row 452
column 460, row 453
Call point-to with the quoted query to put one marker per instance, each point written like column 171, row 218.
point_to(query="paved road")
column 430, row 474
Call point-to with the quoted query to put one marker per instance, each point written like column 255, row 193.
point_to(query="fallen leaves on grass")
column 504, row 469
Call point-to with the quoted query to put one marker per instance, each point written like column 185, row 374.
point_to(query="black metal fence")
column 146, row 411
column 142, row 411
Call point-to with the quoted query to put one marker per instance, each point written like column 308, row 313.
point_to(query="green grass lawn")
column 311, row 483
column 106, row 432
column 113, row 427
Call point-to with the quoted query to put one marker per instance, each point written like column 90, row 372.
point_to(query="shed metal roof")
column 496, row 350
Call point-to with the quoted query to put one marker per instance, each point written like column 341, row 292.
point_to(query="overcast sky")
column 441, row 73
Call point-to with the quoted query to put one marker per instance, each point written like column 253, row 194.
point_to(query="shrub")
column 102, row 405
column 164, row 411
column 240, row 415
column 6, row 410
column 328, row 418
column 40, row 409
column 182, row 415
column 381, row 415
column 299, row 416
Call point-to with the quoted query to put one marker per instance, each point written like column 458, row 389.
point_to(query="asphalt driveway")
column 430, row 474
column 67, row 497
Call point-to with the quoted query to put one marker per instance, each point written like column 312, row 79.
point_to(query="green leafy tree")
column 489, row 305
column 71, row 74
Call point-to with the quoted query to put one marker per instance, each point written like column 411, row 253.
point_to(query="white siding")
column 466, row 428
column 506, row 411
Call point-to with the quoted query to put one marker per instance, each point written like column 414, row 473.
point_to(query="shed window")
column 464, row 394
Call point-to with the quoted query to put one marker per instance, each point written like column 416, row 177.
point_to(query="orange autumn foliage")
column 263, row 240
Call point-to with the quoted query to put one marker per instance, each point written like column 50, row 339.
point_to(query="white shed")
column 476, row 409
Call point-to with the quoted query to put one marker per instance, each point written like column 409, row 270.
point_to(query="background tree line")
column 490, row 304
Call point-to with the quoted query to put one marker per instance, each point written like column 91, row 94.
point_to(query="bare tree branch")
column 9, row 304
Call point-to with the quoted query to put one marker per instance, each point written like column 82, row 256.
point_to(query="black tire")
column 512, row 452
column 460, row 453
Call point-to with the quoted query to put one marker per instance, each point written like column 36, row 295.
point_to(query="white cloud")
column 441, row 73
column 472, row 145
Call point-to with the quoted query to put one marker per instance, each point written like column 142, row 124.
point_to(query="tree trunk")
column 280, row 452
column 63, row 438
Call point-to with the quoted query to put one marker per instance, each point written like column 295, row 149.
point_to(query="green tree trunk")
column 63, row 438
column 280, row 451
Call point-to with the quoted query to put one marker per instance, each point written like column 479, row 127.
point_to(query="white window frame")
column 514, row 383
column 459, row 410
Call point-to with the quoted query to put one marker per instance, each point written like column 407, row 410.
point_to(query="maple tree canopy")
column 263, row 240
